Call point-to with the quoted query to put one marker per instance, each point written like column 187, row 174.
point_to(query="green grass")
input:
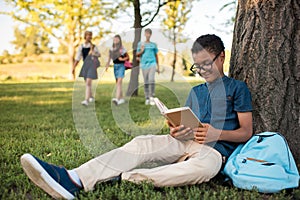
column 38, row 118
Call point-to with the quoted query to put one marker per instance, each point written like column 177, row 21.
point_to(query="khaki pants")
column 202, row 163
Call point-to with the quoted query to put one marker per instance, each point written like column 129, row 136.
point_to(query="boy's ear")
column 222, row 56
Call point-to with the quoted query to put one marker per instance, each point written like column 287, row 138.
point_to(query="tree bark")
column 266, row 55
column 71, row 54
column 175, row 56
column 134, row 75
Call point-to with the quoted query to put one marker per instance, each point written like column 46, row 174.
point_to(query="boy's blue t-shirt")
column 217, row 103
column 148, row 58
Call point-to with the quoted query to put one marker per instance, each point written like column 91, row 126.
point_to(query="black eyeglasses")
column 196, row 68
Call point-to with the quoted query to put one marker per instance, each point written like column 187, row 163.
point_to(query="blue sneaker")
column 52, row 179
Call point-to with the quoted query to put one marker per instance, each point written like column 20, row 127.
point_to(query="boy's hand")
column 142, row 48
column 179, row 130
column 206, row 134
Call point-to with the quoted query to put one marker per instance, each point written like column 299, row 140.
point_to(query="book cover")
column 179, row 116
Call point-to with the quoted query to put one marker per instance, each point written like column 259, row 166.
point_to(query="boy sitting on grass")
column 223, row 104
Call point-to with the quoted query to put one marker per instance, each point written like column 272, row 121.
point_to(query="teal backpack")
column 264, row 163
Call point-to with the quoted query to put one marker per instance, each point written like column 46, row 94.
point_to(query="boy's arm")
column 139, row 51
column 241, row 134
column 157, row 63
column 209, row 134
column 156, row 57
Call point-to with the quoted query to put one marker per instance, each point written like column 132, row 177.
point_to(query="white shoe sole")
column 42, row 179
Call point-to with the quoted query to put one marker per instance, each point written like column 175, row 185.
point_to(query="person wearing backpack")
column 222, row 104
column 90, row 53
column 119, row 55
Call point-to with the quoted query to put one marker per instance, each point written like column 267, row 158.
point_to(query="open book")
column 179, row 116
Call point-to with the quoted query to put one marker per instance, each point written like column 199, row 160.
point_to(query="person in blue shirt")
column 147, row 53
column 222, row 104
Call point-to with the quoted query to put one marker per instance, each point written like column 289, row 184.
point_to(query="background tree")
column 62, row 49
column 174, row 22
column 266, row 55
column 6, row 58
column 227, row 23
column 30, row 41
column 64, row 20
column 230, row 6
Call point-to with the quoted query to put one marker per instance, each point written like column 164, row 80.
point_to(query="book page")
column 161, row 107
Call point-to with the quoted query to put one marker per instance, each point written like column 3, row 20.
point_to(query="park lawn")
column 41, row 118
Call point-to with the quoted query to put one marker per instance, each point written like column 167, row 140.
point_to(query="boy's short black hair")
column 210, row 43
column 148, row 30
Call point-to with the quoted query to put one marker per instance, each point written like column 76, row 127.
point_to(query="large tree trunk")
column 266, row 55
column 134, row 76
